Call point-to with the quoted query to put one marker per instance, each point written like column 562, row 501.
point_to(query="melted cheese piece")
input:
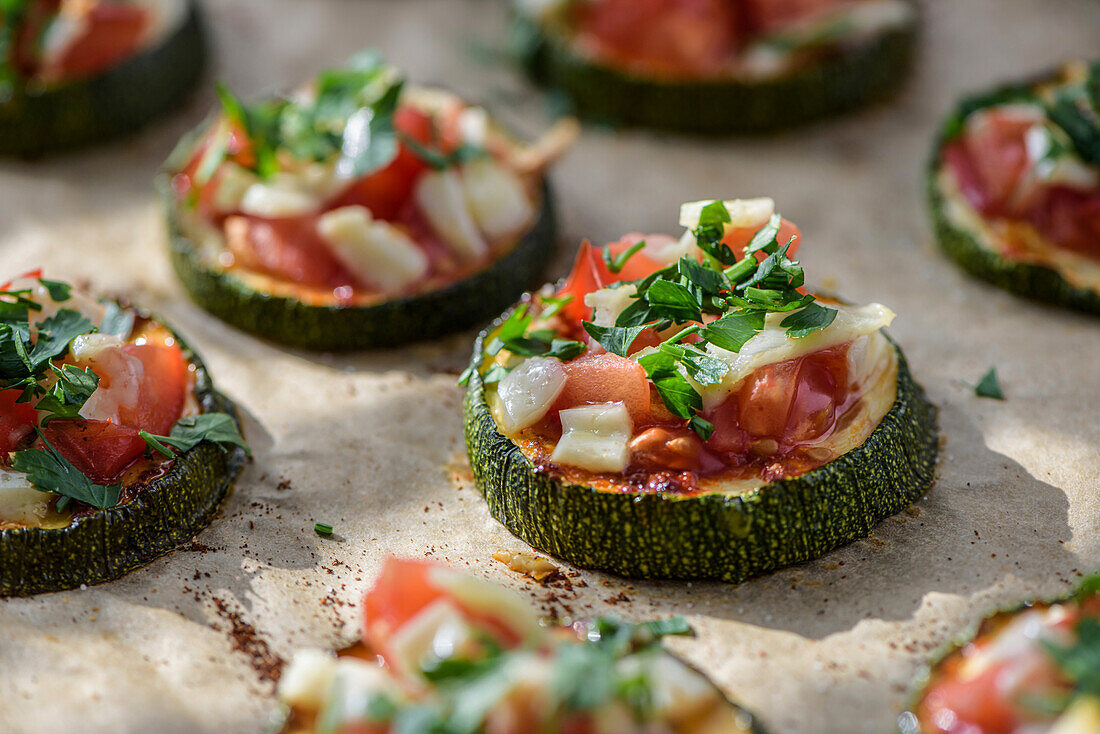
column 20, row 504
column 442, row 199
column 482, row 596
column 438, row 631
column 1082, row 717
column 1076, row 269
column 743, row 212
column 595, row 437
column 376, row 251
column 306, row 680
column 772, row 345
column 527, row 392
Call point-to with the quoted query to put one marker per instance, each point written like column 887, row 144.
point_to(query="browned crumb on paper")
column 245, row 639
column 528, row 564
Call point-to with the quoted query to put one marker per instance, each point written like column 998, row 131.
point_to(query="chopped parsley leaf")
column 989, row 386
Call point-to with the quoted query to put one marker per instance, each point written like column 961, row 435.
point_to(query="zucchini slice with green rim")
column 429, row 315
column 70, row 114
column 964, row 245
column 709, row 535
column 514, row 665
column 107, row 544
column 1048, row 698
column 850, row 77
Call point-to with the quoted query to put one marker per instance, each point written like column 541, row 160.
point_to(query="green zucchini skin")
column 710, row 536
column 119, row 101
column 110, row 543
column 851, row 78
column 293, row 323
column 1023, row 279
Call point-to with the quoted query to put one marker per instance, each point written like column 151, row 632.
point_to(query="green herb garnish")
column 190, row 431
column 989, row 386
column 49, row 471
column 322, row 528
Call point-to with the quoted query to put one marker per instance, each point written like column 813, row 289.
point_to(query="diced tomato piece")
column 737, row 237
column 415, row 124
column 113, row 33
column 402, row 591
column 17, row 420
column 590, row 273
column 669, row 36
column 385, row 192
column 101, row 450
column 765, row 399
column 791, row 402
column 286, row 247
column 998, row 151
column 36, row 17
column 35, row 274
column 163, row 389
column 638, row 265
column 769, row 16
column 957, row 159
column 605, row 378
column 1069, row 218
column 819, row 393
column 728, row 436
column 975, row 706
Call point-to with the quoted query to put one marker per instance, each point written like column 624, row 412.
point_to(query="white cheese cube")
column 1082, row 717
column 280, row 197
column 743, row 212
column 438, row 631
column 496, row 198
column 490, row 599
column 595, row 437
column 527, row 392
column 19, row 502
column 473, row 126
column 305, row 682
column 608, row 303
column 376, row 251
column 442, row 199
column 234, row 183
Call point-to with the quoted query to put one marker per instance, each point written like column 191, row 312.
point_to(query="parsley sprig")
column 349, row 118
column 189, row 431
column 1080, row 661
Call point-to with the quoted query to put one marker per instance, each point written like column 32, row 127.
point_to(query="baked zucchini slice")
column 494, row 667
column 781, row 429
column 81, row 90
column 315, row 229
column 1029, row 229
column 774, row 72
column 99, row 478
column 1031, row 668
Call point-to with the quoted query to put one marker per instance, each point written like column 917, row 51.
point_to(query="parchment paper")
column 372, row 444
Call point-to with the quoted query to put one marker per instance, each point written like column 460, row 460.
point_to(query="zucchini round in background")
column 718, row 66
column 1014, row 187
column 1029, row 670
column 360, row 212
column 451, row 652
column 115, row 447
column 678, row 410
column 75, row 73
